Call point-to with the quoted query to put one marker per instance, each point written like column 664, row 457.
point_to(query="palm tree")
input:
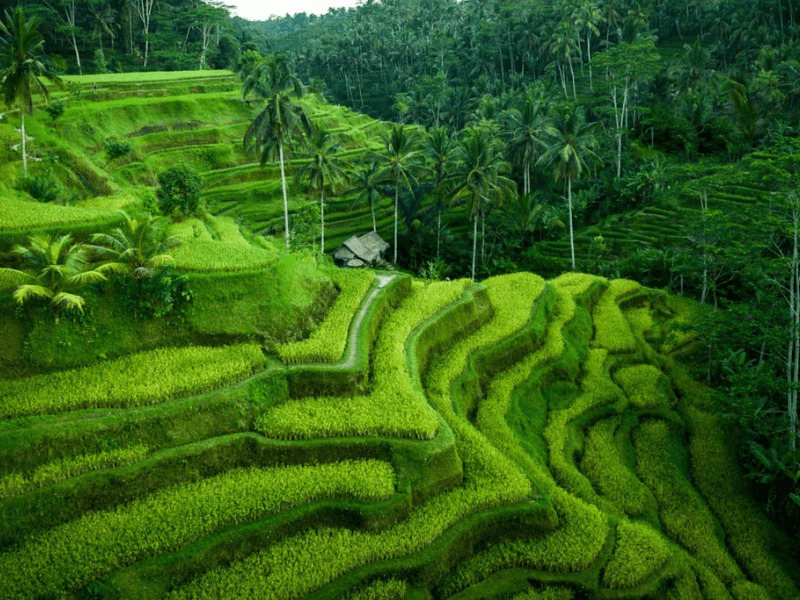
column 23, row 66
column 439, row 150
column 368, row 185
column 53, row 266
column 323, row 166
column 527, row 130
column 401, row 163
column 479, row 176
column 280, row 122
column 571, row 152
column 139, row 248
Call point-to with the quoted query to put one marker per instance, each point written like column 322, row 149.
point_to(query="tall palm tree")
column 140, row 247
column 368, row 185
column 439, row 150
column 479, row 177
column 22, row 67
column 527, row 130
column 401, row 163
column 52, row 267
column 571, row 152
column 280, row 122
column 324, row 167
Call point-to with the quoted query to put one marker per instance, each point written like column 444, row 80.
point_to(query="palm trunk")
column 474, row 242
column 322, row 219
column 396, row 203
column 372, row 206
column 285, row 200
column 24, row 154
column 571, row 235
column 572, row 74
column 438, row 231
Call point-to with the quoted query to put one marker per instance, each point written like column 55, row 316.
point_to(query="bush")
column 44, row 187
column 179, row 190
column 117, row 149
column 152, row 297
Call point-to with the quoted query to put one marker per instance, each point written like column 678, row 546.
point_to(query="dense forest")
column 646, row 140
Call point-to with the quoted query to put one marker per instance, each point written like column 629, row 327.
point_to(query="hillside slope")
column 513, row 438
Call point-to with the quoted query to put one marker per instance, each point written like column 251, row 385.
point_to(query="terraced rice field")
column 518, row 438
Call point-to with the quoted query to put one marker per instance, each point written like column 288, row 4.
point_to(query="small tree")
column 55, row 109
column 179, row 190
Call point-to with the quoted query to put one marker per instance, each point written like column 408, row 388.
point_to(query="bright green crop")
column 135, row 380
column 80, row 551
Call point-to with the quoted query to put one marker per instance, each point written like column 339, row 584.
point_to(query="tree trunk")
column 793, row 355
column 396, row 204
column 474, row 241
column 571, row 234
column 24, row 153
column 285, row 200
column 572, row 73
column 322, row 217
column 438, row 231
column 372, row 206
column 589, row 52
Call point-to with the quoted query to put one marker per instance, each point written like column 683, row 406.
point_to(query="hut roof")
column 368, row 248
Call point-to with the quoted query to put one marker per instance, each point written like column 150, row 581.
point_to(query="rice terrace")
column 414, row 300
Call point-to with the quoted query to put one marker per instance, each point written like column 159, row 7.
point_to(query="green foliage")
column 44, row 187
column 78, row 552
column 118, row 148
column 179, row 190
column 640, row 551
column 612, row 331
column 644, row 385
column 604, row 464
column 136, row 380
column 327, row 342
column 210, row 256
column 55, row 108
column 391, row 589
column 17, row 483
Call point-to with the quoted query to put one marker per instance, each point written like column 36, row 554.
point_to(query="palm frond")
column 15, row 277
column 67, row 301
column 27, row 292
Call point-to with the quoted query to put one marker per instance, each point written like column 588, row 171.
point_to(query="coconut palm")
column 479, row 176
column 323, row 168
column 53, row 266
column 401, row 163
column 281, row 122
column 527, row 130
column 367, row 188
column 140, row 247
column 571, row 152
column 439, row 150
column 22, row 67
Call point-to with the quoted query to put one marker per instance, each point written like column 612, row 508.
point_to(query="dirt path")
column 383, row 281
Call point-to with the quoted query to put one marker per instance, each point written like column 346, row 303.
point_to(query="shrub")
column 80, row 551
column 55, row 109
column 44, row 187
column 116, row 148
column 136, row 380
column 179, row 189
column 152, row 297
